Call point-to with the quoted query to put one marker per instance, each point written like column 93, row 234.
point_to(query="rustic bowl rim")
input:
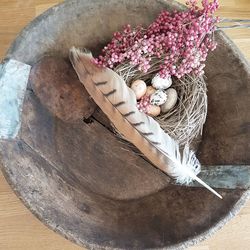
column 186, row 243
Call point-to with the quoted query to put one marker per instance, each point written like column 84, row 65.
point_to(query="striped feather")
column 118, row 102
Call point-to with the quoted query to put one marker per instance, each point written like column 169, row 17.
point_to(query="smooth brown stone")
column 56, row 84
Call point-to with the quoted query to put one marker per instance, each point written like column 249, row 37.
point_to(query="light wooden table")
column 19, row 229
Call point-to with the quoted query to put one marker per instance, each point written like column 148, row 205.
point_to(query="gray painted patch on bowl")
column 13, row 81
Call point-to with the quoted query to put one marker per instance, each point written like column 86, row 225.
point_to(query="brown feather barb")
column 118, row 102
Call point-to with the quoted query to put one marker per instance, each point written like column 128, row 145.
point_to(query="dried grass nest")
column 185, row 121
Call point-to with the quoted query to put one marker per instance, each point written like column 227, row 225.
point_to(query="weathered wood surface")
column 89, row 153
column 227, row 129
column 89, row 217
column 60, row 198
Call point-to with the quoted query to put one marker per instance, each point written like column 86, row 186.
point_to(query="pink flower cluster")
column 144, row 104
column 180, row 39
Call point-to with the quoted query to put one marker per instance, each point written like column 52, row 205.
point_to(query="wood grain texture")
column 19, row 229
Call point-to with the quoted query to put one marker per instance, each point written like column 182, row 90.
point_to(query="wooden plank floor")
column 19, row 229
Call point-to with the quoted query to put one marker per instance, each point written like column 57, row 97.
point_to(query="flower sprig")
column 179, row 41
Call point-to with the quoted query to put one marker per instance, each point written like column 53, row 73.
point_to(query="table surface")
column 19, row 229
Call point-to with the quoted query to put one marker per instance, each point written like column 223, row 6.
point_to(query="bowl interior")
column 77, row 177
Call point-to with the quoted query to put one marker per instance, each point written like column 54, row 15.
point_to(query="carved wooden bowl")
column 80, row 180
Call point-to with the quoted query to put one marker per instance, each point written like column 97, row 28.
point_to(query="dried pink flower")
column 181, row 40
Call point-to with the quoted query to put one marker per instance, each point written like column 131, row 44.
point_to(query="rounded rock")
column 158, row 98
column 171, row 100
column 154, row 110
column 139, row 87
column 150, row 90
column 56, row 84
column 161, row 83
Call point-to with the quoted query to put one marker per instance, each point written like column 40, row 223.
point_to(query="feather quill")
column 118, row 102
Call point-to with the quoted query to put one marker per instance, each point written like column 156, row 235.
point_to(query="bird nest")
column 184, row 122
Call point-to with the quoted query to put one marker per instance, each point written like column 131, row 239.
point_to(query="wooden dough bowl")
column 84, row 183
